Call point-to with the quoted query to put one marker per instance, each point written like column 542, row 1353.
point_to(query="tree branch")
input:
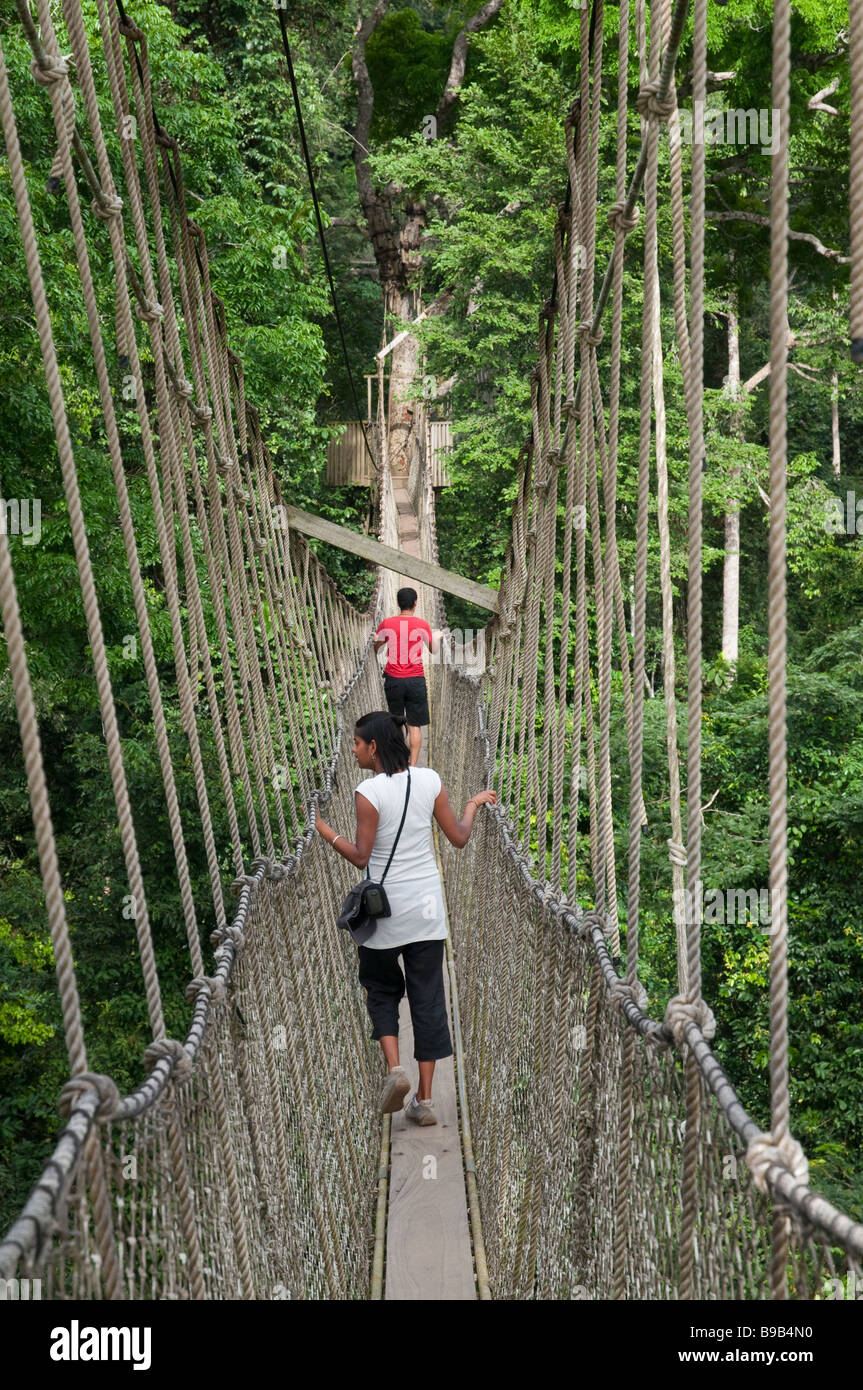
column 803, row 370
column 365, row 92
column 750, row 385
column 715, row 80
column 374, row 205
column 817, row 103
column 446, row 386
column 458, row 62
column 757, row 220
column 347, row 222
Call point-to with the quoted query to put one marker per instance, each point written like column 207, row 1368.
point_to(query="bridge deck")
column 428, row 1253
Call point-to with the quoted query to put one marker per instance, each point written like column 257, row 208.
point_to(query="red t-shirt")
column 405, row 638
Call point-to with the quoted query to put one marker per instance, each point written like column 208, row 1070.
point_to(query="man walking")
column 404, row 679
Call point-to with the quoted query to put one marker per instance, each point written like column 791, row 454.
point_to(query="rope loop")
column 650, row 105
column 150, row 310
column 182, row 388
column 229, row 933
column 168, row 1048
column 593, row 919
column 585, row 331
column 677, row 853
column 108, row 207
column 657, row 1040
column 621, row 990
column 544, row 893
column 129, row 29
column 216, row 987
column 166, row 141
column 50, row 69
column 681, row 1011
column 573, row 114
column 273, row 868
column 202, row 413
column 109, row 1095
column 764, row 1151
column 619, row 222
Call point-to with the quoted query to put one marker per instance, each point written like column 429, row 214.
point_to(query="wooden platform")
column 428, row 1248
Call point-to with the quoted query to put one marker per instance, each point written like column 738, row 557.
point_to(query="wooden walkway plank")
column 428, row 1248
column 428, row 1236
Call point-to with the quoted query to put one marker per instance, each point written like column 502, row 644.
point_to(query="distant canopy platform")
column 349, row 465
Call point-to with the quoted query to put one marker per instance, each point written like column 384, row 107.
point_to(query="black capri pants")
column 382, row 979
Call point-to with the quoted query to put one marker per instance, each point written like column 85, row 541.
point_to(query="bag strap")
column 399, row 831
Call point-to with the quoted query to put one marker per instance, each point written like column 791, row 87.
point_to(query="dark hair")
column 388, row 734
column 406, row 598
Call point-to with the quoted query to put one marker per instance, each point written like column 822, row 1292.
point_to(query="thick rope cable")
column 855, row 55
column 23, row 692
column 85, row 572
column 113, row 439
column 777, row 622
column 694, row 388
column 342, row 633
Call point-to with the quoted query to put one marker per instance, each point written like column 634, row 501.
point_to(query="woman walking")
column 416, row 929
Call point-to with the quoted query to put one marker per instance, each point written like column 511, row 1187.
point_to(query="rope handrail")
column 602, row 1084
column 26, row 1238
column 780, row 1179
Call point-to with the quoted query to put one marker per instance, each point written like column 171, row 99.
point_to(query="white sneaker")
column 421, row 1111
column 394, row 1088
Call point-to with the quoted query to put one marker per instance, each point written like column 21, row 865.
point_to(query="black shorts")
column 407, row 698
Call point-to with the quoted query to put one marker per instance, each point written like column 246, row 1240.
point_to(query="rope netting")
column 222, row 1175
column 614, row 1158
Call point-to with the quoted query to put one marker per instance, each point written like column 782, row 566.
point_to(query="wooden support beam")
column 391, row 559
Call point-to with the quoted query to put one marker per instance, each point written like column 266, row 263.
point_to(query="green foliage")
column 408, row 66
column 491, row 193
column 258, row 265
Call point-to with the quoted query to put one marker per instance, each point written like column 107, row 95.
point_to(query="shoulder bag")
column 367, row 900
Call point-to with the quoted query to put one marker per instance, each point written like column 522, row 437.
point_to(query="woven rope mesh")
column 611, row 1151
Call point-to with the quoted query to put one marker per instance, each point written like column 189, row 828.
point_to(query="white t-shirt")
column 412, row 884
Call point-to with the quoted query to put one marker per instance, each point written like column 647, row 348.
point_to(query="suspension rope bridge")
column 249, row 1161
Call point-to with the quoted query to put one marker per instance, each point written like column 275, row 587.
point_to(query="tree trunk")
column 401, row 300
column 397, row 251
column 834, row 423
column 731, row 567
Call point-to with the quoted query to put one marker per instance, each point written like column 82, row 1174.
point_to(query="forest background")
column 436, row 135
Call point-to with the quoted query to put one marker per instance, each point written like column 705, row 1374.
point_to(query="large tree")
column 395, row 220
